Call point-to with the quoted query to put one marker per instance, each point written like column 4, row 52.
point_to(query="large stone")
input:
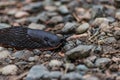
column 36, row 72
column 80, row 51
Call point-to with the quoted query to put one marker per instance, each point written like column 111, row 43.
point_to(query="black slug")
column 26, row 38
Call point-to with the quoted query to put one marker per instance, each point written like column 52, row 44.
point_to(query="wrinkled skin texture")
column 25, row 38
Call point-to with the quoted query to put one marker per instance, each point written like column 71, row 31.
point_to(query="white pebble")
column 4, row 54
column 54, row 63
column 9, row 69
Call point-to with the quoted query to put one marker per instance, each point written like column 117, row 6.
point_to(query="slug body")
column 26, row 38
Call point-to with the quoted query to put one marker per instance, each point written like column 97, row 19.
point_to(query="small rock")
column 72, row 76
column 33, row 7
column 68, row 18
column 82, row 28
column 97, row 11
column 50, row 14
column 90, row 77
column 4, row 25
column 23, row 54
column 88, row 63
column 63, row 10
column 92, row 58
column 54, row 63
column 52, row 75
column 117, row 15
column 69, row 27
column 32, row 19
column 69, row 46
column 101, row 61
column 69, row 66
column 9, row 69
column 118, row 78
column 110, row 40
column 4, row 54
column 21, row 14
column 31, row 59
column 50, row 8
column 12, row 12
column 80, row 51
column 43, row 17
column 21, row 20
column 99, row 21
column 36, row 72
column 98, row 49
column 56, row 19
column 81, row 67
column 36, row 26
column 117, row 34
column 2, row 48
column 37, row 52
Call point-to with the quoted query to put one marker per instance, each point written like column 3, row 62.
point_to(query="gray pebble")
column 42, row 16
column 101, row 61
column 72, row 76
column 69, row 66
column 56, row 19
column 88, row 63
column 98, row 49
column 80, row 51
column 117, row 34
column 82, row 28
column 69, row 27
column 63, row 9
column 36, row 72
column 33, row 7
column 37, row 52
column 81, row 67
column 32, row 19
column 36, row 26
column 97, row 11
column 69, row 45
column 52, row 75
column 4, row 25
column 23, row 54
column 110, row 40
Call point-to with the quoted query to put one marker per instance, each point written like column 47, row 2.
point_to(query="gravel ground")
column 91, row 50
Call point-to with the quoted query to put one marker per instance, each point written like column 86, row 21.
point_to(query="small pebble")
column 23, row 54
column 117, row 15
column 56, row 19
column 99, row 21
column 21, row 14
column 4, row 54
column 52, row 75
column 9, row 69
column 101, row 61
column 63, row 10
column 72, row 76
column 117, row 34
column 69, row 27
column 81, row 67
column 69, row 66
column 82, row 28
column 4, row 25
column 90, row 77
column 36, row 26
column 36, row 72
column 54, row 63
column 80, row 51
